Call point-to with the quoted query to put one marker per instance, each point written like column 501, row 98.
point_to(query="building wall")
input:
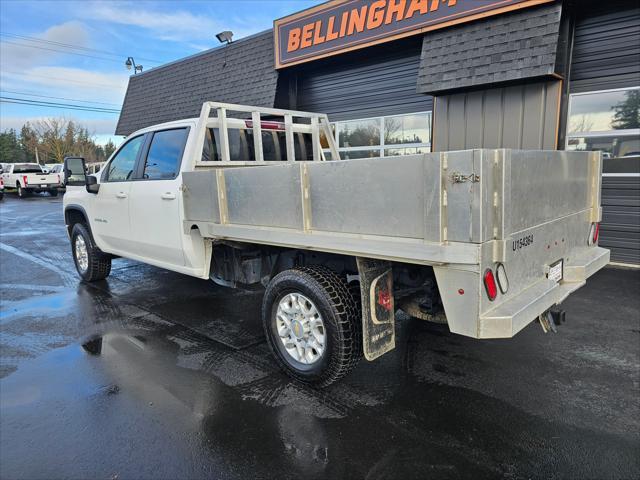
column 520, row 116
column 606, row 51
column 376, row 81
column 606, row 55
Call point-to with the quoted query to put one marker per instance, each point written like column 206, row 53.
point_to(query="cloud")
column 30, row 53
column 178, row 25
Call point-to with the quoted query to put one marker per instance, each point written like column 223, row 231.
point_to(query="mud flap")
column 378, row 310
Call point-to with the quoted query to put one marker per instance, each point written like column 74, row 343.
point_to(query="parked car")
column 1, row 188
column 58, row 169
column 29, row 178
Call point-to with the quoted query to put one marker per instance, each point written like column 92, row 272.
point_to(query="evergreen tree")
column 627, row 112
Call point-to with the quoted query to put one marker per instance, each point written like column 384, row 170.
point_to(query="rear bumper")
column 510, row 317
column 38, row 188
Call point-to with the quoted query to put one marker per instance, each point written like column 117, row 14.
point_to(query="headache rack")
column 256, row 120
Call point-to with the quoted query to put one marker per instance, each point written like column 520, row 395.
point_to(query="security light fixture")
column 131, row 62
column 225, row 36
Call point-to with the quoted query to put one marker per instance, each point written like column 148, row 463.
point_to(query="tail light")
column 594, row 233
column 24, row 179
column 490, row 284
column 503, row 280
column 266, row 125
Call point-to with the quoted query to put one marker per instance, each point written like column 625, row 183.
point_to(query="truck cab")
column 137, row 211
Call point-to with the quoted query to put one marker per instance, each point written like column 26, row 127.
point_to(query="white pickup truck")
column 29, row 177
column 486, row 241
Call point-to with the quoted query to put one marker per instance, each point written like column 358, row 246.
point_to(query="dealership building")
column 399, row 77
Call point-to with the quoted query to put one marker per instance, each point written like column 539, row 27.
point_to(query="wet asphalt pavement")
column 175, row 381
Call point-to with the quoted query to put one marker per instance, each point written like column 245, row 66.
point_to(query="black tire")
column 53, row 192
column 98, row 265
column 22, row 193
column 1, row 194
column 340, row 313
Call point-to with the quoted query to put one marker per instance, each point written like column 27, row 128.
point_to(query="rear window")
column 165, row 152
column 27, row 168
column 241, row 147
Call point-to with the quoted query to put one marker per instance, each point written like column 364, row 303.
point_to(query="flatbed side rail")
column 318, row 124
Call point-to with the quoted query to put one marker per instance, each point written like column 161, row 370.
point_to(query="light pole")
column 131, row 62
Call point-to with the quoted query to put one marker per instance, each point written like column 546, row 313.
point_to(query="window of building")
column 608, row 121
column 372, row 137
column 122, row 165
column 165, row 153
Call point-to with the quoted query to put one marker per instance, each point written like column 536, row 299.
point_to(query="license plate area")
column 43, row 186
column 556, row 271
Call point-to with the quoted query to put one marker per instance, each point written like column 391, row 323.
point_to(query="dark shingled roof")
column 242, row 72
column 498, row 49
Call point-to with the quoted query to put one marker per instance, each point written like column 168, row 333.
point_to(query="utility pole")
column 37, row 158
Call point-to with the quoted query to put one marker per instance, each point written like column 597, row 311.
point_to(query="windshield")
column 27, row 168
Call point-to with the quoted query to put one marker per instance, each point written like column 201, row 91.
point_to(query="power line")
column 57, row 98
column 66, row 106
column 77, row 47
column 49, row 77
column 39, row 47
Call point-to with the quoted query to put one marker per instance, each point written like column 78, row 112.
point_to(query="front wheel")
column 312, row 324
column 91, row 263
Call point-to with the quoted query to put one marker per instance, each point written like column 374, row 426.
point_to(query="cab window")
column 165, row 153
column 122, row 165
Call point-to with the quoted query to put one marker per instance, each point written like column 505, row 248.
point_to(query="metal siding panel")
column 559, row 178
column 457, row 122
column 440, row 142
column 533, row 116
column 493, row 110
column 606, row 52
column 620, row 226
column 339, row 204
column 474, row 120
column 265, row 196
column 512, row 120
column 551, row 116
column 520, row 117
column 201, row 196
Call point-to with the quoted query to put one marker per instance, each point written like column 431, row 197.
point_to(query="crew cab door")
column 110, row 221
column 155, row 201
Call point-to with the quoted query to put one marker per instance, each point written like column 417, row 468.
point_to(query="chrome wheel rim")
column 300, row 328
column 82, row 256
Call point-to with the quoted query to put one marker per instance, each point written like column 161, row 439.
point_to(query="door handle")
column 168, row 196
column 121, row 195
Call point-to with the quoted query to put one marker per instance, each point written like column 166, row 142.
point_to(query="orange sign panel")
column 343, row 25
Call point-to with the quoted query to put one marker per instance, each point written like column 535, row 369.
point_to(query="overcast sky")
column 73, row 52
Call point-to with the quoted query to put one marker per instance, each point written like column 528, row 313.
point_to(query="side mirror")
column 74, row 169
column 92, row 184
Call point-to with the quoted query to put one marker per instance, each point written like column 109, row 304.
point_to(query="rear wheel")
column 53, row 192
column 21, row 191
column 91, row 263
column 312, row 324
